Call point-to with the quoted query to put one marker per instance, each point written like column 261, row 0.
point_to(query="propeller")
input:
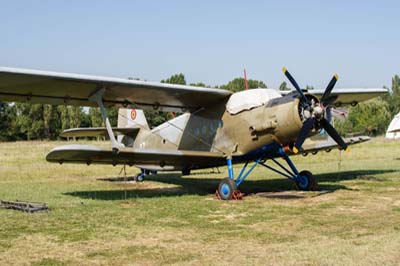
column 325, row 99
column 294, row 83
column 316, row 114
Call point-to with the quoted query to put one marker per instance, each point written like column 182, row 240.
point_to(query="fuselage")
column 249, row 121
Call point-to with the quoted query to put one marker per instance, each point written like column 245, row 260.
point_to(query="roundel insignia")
column 133, row 114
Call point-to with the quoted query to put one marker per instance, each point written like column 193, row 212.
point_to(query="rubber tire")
column 226, row 188
column 139, row 177
column 311, row 181
column 185, row 172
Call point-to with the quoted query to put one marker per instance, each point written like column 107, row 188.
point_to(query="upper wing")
column 61, row 88
column 348, row 96
column 351, row 96
column 98, row 131
column 152, row 158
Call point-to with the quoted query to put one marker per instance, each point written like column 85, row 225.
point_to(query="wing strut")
column 97, row 96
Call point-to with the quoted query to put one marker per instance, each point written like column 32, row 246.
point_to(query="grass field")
column 95, row 219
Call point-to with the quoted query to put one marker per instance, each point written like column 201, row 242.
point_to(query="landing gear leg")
column 304, row 180
column 227, row 189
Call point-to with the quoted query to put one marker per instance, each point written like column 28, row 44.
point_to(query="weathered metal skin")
column 217, row 130
column 258, row 127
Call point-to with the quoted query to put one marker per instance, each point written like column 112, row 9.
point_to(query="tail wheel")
column 226, row 188
column 306, row 181
column 139, row 177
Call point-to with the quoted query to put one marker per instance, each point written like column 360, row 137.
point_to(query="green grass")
column 95, row 219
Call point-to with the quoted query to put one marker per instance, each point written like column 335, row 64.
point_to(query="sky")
column 208, row 41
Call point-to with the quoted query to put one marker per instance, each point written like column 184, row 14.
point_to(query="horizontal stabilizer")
column 98, row 131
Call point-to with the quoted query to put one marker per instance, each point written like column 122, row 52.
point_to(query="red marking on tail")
column 133, row 114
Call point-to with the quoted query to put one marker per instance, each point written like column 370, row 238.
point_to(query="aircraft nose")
column 318, row 112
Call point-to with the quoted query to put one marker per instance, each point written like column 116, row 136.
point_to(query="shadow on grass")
column 207, row 186
column 355, row 174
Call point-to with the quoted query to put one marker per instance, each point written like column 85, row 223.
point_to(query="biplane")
column 215, row 128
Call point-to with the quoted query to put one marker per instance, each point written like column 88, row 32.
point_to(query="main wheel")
column 185, row 171
column 139, row 177
column 306, row 181
column 226, row 188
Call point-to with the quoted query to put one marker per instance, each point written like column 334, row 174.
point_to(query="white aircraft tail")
column 131, row 118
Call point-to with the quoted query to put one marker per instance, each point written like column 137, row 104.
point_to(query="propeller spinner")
column 315, row 114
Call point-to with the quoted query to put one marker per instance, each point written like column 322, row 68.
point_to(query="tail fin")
column 132, row 118
column 128, row 118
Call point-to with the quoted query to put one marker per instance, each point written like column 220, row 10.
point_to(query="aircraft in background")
column 217, row 127
column 394, row 128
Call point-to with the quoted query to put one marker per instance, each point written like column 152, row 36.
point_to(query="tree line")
column 25, row 121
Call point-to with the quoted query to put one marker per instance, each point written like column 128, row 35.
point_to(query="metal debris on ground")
column 30, row 207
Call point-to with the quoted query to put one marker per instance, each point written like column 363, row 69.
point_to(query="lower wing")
column 327, row 144
column 149, row 159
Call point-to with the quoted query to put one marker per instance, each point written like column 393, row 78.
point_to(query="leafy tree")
column 95, row 117
column 36, row 118
column 238, row 84
column 65, row 117
column 393, row 97
column 175, row 79
column 75, row 116
column 112, row 114
column 199, row 84
column 29, row 121
column 309, row 87
column 371, row 117
column 283, row 87
column 23, row 122
column 52, row 122
column 5, row 122
column 85, row 122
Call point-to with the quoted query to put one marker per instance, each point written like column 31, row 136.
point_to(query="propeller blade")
column 333, row 133
column 294, row 83
column 325, row 97
column 328, row 114
column 305, row 130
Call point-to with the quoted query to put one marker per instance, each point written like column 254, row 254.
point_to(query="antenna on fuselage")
column 245, row 80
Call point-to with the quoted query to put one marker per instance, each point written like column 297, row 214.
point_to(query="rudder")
column 132, row 118
column 128, row 118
